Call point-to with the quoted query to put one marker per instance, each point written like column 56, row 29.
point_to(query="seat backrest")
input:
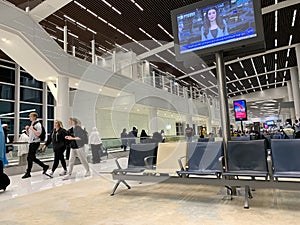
column 205, row 139
column 242, row 138
column 168, row 155
column 140, row 151
column 205, row 155
column 285, row 155
column 247, row 155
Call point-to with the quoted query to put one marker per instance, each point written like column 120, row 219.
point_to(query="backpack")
column 43, row 133
column 85, row 138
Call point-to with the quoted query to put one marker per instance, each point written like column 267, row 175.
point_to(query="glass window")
column 10, row 123
column 23, row 124
column 50, row 124
column 7, row 92
column 28, row 80
column 7, row 75
column 6, row 107
column 9, row 64
column 50, row 99
column 50, row 111
column 38, row 109
column 30, row 95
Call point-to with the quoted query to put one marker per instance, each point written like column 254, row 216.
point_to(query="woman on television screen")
column 214, row 26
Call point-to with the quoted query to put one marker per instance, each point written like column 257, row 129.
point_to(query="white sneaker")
column 67, row 177
column 63, row 173
column 87, row 174
column 51, row 173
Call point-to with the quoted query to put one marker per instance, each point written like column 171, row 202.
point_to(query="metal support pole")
column 224, row 109
column 65, row 38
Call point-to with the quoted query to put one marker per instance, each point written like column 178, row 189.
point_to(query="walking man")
column 34, row 131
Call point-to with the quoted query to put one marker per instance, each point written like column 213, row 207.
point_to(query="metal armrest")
column 181, row 164
column 270, row 167
column 222, row 162
column 117, row 163
column 148, row 166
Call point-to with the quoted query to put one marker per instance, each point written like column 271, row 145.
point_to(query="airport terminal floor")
column 80, row 200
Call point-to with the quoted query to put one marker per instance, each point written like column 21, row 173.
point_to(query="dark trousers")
column 59, row 156
column 33, row 147
column 95, row 153
column 68, row 149
column 297, row 135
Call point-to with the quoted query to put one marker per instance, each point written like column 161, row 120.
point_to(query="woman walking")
column 57, row 137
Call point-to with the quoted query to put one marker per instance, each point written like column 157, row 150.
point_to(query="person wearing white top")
column 96, row 144
column 23, row 148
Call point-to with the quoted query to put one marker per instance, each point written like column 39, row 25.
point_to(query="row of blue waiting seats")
column 244, row 158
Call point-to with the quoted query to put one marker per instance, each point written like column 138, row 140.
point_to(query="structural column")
column 153, row 120
column 45, row 106
column 290, row 98
column 296, row 92
column 62, row 105
column 17, row 103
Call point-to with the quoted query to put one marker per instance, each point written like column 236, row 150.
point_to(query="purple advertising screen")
column 240, row 110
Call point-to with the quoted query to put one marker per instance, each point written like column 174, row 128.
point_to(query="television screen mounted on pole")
column 211, row 26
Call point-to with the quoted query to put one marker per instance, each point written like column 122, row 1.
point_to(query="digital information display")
column 240, row 110
column 212, row 25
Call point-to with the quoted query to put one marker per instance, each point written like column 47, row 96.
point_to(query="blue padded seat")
column 286, row 158
column 203, row 158
column 247, row 158
column 137, row 154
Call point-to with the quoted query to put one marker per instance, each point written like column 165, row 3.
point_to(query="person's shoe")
column 87, row 174
column 46, row 167
column 26, row 175
column 63, row 173
column 67, row 177
column 51, row 173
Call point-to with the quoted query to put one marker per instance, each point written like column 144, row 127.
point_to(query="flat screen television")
column 240, row 110
column 211, row 26
column 270, row 122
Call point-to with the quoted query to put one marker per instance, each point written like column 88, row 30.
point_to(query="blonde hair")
column 76, row 121
column 59, row 123
column 34, row 114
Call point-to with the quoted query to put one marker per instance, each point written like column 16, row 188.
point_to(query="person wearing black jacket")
column 77, row 142
column 57, row 137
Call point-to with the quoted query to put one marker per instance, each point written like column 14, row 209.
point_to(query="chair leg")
column 246, row 203
column 115, row 187
column 125, row 183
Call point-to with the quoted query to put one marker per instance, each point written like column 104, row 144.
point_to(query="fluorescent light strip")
column 252, row 61
column 227, row 78
column 230, row 68
column 290, row 41
column 235, row 76
column 59, row 28
column 161, row 27
column 116, row 10
column 103, row 20
column 137, row 5
column 211, row 82
column 245, row 72
column 202, row 76
column 69, row 18
column 275, row 42
column 94, row 14
column 106, row 3
column 74, row 35
column 81, row 25
column 276, row 20
column 109, row 24
column 212, row 74
column 77, row 3
column 294, row 17
column 94, row 32
column 288, row 53
column 172, row 53
column 192, row 68
column 241, row 64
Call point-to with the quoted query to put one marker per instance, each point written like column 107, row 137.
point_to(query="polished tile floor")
column 87, row 201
